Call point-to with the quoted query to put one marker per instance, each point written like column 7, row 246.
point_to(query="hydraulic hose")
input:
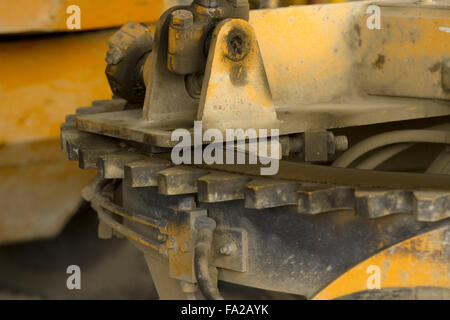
column 383, row 155
column 205, row 227
column 390, row 151
column 383, row 139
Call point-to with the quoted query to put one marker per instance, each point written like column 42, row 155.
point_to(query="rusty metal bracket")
column 181, row 239
column 180, row 243
column 166, row 98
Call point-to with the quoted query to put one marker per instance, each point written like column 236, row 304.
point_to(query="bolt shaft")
column 341, row 143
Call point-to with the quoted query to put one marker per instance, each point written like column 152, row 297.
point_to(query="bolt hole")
column 236, row 45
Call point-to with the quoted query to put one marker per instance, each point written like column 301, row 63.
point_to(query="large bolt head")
column 182, row 18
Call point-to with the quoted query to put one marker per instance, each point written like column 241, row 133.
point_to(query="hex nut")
column 182, row 18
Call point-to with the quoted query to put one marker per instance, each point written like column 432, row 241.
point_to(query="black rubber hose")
column 205, row 227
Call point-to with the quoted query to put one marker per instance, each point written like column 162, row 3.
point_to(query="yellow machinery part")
column 329, row 63
column 330, row 52
column 415, row 262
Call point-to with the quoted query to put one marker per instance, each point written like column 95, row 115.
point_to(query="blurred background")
column 47, row 71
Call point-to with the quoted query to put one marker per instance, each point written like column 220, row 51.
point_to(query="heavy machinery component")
column 128, row 51
column 189, row 30
column 299, row 105
column 393, row 137
column 303, row 229
column 46, row 76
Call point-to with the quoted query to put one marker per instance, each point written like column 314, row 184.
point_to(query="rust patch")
column 378, row 64
column 237, row 45
column 357, row 29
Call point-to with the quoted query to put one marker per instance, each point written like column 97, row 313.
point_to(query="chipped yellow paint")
column 420, row 261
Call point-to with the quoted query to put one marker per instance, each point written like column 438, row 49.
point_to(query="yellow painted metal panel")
column 306, row 51
column 327, row 53
column 405, row 57
column 18, row 16
column 44, row 79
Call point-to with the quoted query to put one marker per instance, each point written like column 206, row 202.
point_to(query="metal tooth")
column 87, row 157
column 315, row 199
column 101, row 106
column 269, row 193
column 111, row 166
column 111, row 103
column 85, row 147
column 66, row 135
column 84, row 110
column 218, row 186
column 71, row 140
column 374, row 204
column 143, row 173
column 432, row 206
column 179, row 180
column 70, row 122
